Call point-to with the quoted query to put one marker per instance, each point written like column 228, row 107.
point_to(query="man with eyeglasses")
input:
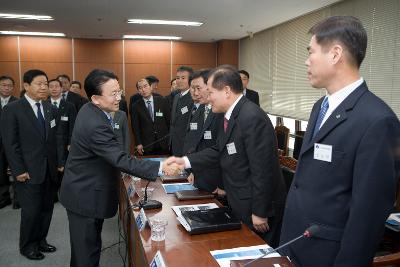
column 30, row 141
column 6, row 89
column 89, row 190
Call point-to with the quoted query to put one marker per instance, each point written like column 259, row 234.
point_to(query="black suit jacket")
column 209, row 178
column 3, row 159
column 194, row 130
column 253, row 96
column 252, row 176
column 92, row 172
column 180, row 115
column 123, row 106
column 145, row 130
column 76, row 99
column 350, row 197
column 26, row 148
column 121, row 130
column 66, row 115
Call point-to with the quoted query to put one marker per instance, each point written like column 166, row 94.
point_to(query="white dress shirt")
column 33, row 105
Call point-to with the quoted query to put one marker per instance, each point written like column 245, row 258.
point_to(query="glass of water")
column 158, row 226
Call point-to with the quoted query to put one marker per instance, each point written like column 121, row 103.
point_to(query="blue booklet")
column 172, row 188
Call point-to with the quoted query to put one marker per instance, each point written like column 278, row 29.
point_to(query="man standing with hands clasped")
column 89, row 190
column 247, row 154
column 348, row 167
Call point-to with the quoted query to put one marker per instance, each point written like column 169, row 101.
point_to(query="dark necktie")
column 194, row 109
column 63, row 96
column 150, row 109
column 110, row 119
column 321, row 115
column 225, row 124
column 40, row 118
column 55, row 104
column 206, row 112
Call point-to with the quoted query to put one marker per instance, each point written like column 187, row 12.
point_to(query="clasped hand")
column 173, row 165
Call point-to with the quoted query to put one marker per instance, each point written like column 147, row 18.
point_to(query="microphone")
column 147, row 204
column 152, row 143
column 308, row 233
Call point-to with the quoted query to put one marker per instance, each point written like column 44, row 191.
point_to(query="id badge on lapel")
column 323, row 152
column 231, row 148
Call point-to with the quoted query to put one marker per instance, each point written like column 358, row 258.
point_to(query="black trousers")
column 36, row 201
column 85, row 239
column 4, row 179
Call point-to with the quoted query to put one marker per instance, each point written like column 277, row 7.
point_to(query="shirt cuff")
column 160, row 171
column 187, row 163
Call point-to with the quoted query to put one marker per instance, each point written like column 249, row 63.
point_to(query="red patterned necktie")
column 225, row 124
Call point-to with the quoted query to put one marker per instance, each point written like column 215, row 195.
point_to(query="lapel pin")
column 338, row 116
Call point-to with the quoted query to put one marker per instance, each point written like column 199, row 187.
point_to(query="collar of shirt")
column 197, row 105
column 33, row 104
column 244, row 91
column 229, row 112
column 209, row 106
column 150, row 99
column 56, row 100
column 4, row 100
column 107, row 114
column 65, row 93
column 185, row 92
column 337, row 98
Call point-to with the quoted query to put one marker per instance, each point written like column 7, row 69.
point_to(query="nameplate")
column 64, row 118
column 159, row 114
column 158, row 260
column 141, row 220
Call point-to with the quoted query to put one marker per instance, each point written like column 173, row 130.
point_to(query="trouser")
column 85, row 239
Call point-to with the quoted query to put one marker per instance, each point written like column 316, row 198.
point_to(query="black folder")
column 211, row 220
column 193, row 194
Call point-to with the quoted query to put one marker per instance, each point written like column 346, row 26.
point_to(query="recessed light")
column 55, row 34
column 25, row 16
column 152, row 37
column 165, row 22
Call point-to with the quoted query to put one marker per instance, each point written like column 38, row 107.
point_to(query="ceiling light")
column 152, row 37
column 56, row 34
column 165, row 22
column 22, row 16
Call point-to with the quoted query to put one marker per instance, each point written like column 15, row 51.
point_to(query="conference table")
column 179, row 247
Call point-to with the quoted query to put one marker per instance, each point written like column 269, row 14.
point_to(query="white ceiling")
column 223, row 19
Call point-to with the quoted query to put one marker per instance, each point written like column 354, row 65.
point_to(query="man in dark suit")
column 174, row 91
column 6, row 89
column 150, row 122
column 68, row 95
column 30, row 141
column 121, row 130
column 89, row 190
column 209, row 179
column 66, row 115
column 246, row 150
column 348, row 166
column 180, row 112
column 250, row 94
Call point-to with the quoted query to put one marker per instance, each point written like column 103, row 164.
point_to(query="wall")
column 129, row 59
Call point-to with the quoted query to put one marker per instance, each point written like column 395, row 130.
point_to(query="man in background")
column 181, row 109
column 30, row 141
column 250, row 94
column 150, row 121
column 6, row 90
column 348, row 166
column 76, row 87
column 77, row 100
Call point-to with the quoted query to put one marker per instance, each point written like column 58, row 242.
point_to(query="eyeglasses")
column 116, row 94
column 41, row 84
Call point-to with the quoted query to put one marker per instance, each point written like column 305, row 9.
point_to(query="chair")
column 298, row 142
column 282, row 137
column 288, row 166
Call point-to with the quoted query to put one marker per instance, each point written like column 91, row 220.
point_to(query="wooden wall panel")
column 8, row 48
column 133, row 72
column 156, row 52
column 83, row 69
column 194, row 66
column 52, row 69
column 228, row 52
column 98, row 51
column 11, row 69
column 185, row 53
column 45, row 49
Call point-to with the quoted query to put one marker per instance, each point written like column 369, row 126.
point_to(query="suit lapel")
column 47, row 116
column 144, row 107
column 209, row 120
column 31, row 115
column 174, row 105
column 338, row 116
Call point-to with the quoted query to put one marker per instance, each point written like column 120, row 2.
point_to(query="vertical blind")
column 275, row 57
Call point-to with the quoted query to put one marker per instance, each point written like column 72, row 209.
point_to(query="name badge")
column 52, row 123
column 158, row 260
column 207, row 135
column 116, row 126
column 193, row 126
column 323, row 152
column 184, row 110
column 231, row 148
column 64, row 118
column 141, row 220
column 159, row 114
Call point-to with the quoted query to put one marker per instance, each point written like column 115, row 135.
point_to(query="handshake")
column 172, row 166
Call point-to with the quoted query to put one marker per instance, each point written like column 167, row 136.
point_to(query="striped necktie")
column 321, row 115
